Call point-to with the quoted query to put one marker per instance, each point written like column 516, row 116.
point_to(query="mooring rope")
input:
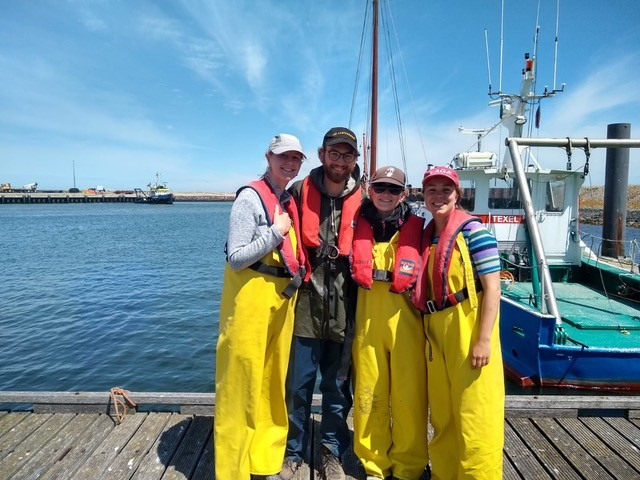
column 118, row 403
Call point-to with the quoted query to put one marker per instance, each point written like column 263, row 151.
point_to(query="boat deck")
column 75, row 436
column 589, row 316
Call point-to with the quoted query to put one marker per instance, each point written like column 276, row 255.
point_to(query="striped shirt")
column 483, row 248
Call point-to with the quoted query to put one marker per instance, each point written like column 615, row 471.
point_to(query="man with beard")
column 328, row 200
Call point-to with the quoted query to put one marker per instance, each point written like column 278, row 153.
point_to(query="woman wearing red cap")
column 460, row 295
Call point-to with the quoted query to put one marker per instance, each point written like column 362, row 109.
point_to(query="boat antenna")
column 501, row 45
column 555, row 53
column 486, row 47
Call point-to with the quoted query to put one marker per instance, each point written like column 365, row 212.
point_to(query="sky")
column 116, row 91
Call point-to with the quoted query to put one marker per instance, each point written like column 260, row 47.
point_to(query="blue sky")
column 194, row 89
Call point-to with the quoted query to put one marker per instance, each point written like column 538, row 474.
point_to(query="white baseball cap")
column 283, row 142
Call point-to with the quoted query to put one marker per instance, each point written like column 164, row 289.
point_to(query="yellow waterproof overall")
column 467, row 405
column 390, row 378
column 256, row 327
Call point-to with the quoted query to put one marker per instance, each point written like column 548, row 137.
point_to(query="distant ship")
column 158, row 194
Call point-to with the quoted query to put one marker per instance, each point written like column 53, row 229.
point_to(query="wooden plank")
column 542, row 412
column 571, row 450
column 161, row 454
column 626, row 428
column 32, row 445
column 79, row 444
column 108, row 450
column 205, row 468
column 9, row 421
column 598, row 449
column 188, row 453
column 509, row 472
column 137, row 447
column 12, row 439
column 58, row 446
column 614, row 440
column 546, row 453
column 521, row 457
column 202, row 403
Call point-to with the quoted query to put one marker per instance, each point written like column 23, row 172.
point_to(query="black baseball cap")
column 340, row 135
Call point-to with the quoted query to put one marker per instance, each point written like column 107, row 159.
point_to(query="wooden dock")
column 47, row 435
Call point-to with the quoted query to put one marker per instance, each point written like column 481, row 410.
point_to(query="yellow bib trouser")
column 390, row 380
column 467, row 405
column 250, row 422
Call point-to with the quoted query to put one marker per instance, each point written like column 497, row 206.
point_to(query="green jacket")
column 328, row 300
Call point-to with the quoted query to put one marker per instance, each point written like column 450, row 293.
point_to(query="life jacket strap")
column 452, row 299
column 281, row 272
column 269, row 269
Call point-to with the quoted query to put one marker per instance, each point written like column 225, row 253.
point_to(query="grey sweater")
column 250, row 235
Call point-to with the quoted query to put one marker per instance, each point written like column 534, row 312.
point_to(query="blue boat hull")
column 532, row 358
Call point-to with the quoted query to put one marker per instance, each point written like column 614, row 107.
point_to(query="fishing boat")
column 569, row 317
column 158, row 193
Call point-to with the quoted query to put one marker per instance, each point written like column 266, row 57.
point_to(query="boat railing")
column 595, row 243
column 514, row 144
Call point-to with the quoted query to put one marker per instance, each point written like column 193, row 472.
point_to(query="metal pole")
column 534, row 233
column 616, row 185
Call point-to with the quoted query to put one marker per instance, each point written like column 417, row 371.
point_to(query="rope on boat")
column 119, row 403
column 508, row 277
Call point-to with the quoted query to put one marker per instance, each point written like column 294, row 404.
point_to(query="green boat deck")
column 589, row 316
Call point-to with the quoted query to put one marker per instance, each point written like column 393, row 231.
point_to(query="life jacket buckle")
column 329, row 251
column 431, row 306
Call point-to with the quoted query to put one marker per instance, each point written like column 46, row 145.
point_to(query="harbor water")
column 94, row 296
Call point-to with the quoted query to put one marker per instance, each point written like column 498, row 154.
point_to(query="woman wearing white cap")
column 460, row 295
column 264, row 268
column 390, row 372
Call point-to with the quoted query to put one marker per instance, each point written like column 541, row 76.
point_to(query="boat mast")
column 374, row 91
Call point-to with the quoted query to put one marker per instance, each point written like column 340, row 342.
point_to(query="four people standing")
column 373, row 277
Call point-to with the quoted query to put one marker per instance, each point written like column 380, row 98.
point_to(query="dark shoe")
column 330, row 467
column 289, row 468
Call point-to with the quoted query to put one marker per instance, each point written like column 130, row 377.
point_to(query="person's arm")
column 481, row 347
column 250, row 238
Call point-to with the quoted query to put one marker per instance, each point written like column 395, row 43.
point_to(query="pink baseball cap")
column 441, row 172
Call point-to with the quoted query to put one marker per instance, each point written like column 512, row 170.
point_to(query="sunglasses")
column 393, row 189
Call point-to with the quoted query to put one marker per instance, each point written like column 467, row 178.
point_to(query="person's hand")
column 480, row 353
column 281, row 220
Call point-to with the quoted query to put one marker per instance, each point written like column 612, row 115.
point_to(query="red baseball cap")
column 441, row 172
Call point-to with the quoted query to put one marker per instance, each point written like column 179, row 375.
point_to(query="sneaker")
column 330, row 467
column 289, row 468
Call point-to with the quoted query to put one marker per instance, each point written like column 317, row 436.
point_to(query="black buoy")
column 616, row 186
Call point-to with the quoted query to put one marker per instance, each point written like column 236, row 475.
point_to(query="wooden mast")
column 374, row 91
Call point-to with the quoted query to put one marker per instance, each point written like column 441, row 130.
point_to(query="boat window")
column 555, row 196
column 468, row 199
column 504, row 194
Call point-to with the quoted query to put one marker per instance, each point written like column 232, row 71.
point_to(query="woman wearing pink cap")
column 460, row 295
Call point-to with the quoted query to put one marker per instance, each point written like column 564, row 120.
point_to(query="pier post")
column 616, row 184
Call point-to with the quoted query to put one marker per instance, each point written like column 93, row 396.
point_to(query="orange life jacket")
column 439, row 283
column 310, row 202
column 407, row 262
column 292, row 260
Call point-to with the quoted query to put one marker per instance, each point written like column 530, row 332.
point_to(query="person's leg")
column 336, row 400
column 371, row 420
column 409, row 452
column 268, row 445
column 301, row 379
